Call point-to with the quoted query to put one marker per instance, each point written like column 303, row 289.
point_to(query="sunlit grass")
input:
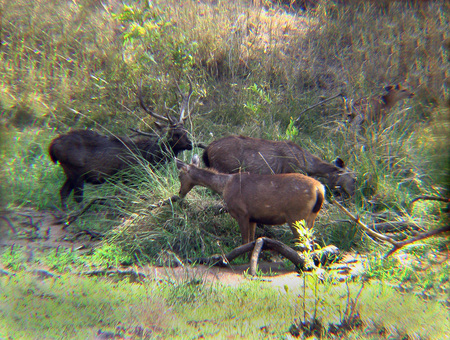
column 71, row 307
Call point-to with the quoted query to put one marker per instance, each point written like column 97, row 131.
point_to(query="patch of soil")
column 38, row 230
column 42, row 230
column 45, row 230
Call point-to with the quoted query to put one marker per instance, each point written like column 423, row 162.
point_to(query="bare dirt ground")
column 37, row 231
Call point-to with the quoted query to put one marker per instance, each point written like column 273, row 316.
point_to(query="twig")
column 430, row 198
column 397, row 226
column 172, row 199
column 134, row 275
column 419, row 237
column 319, row 103
column 362, row 225
column 75, row 216
column 11, row 226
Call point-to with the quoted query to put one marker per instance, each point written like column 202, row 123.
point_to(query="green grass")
column 77, row 64
column 73, row 307
column 28, row 175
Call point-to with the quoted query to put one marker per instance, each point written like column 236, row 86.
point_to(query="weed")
column 61, row 259
column 13, row 258
column 110, row 255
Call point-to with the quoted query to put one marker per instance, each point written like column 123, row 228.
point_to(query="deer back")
column 237, row 153
column 274, row 199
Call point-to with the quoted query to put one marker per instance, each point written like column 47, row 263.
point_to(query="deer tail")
column 51, row 151
column 205, row 158
column 319, row 200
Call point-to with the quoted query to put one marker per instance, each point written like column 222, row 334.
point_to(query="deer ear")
column 339, row 162
column 388, row 88
column 195, row 160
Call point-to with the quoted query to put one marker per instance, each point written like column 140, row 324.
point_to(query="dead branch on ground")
column 430, row 198
column 396, row 245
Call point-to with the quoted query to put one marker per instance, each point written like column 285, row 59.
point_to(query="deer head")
column 176, row 136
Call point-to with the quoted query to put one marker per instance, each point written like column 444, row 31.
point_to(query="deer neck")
column 209, row 179
column 313, row 165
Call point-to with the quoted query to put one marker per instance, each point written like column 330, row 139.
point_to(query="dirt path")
column 38, row 231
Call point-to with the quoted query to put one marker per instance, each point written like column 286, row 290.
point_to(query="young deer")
column 253, row 198
column 374, row 109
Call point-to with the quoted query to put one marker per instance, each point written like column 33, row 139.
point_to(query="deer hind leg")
column 252, row 231
column 244, row 226
column 65, row 191
column 78, row 190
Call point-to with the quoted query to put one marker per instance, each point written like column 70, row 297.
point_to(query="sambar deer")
column 233, row 154
column 374, row 109
column 87, row 156
column 252, row 198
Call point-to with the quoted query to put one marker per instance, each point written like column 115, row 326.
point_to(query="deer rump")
column 274, row 199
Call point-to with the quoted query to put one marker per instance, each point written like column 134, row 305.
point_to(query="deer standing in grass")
column 374, row 109
column 233, row 154
column 252, row 198
column 87, row 156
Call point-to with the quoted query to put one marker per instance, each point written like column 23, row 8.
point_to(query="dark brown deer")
column 374, row 109
column 87, row 156
column 233, row 154
column 253, row 198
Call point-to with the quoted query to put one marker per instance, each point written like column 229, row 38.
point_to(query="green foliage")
column 13, row 258
column 27, row 171
column 291, row 130
column 61, row 259
column 411, row 270
column 110, row 255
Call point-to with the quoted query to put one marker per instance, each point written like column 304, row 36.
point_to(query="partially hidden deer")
column 88, row 156
column 253, row 198
column 374, row 109
column 233, row 154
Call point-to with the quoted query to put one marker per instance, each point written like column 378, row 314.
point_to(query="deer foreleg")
column 65, row 191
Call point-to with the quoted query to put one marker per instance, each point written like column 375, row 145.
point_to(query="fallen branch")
column 419, row 237
column 265, row 244
column 395, row 227
column 429, row 198
column 255, row 255
column 396, row 245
